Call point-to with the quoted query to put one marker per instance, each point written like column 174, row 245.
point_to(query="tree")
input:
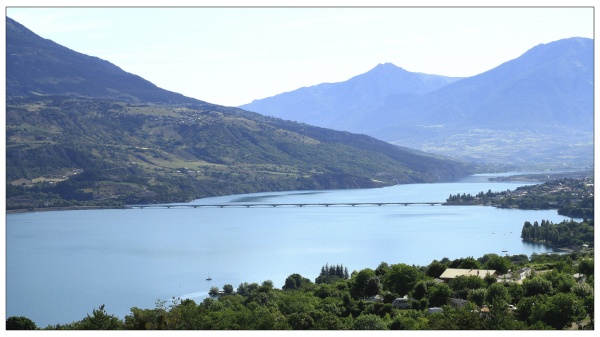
column 99, row 320
column 420, row 290
column 332, row 274
column 359, row 282
column 560, row 310
column 268, row 285
column 497, row 263
column 515, row 291
column 582, row 290
column 477, row 296
column 372, row 286
column 526, row 305
column 588, row 304
column 435, row 269
column 20, row 323
column 500, row 317
column 246, row 289
column 295, row 281
column 368, row 322
column 537, row 286
column 469, row 263
column 401, row 278
column 214, row 291
column 382, row 269
column 497, row 292
column 561, row 282
column 465, row 318
column 409, row 320
column 586, row 267
column 300, row 321
column 463, row 283
column 186, row 315
column 489, row 279
column 228, row 289
column 438, row 294
column 327, row 321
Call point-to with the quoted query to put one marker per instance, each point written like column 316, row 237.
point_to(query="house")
column 484, row 312
column 434, row 310
column 457, row 302
column 452, row 273
column 579, row 277
column 402, row 303
column 516, row 276
column 375, row 298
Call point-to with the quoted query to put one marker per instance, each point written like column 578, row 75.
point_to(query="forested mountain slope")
column 76, row 144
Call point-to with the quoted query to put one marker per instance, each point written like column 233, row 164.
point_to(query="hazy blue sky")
column 231, row 56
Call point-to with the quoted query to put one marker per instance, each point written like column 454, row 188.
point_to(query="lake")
column 61, row 265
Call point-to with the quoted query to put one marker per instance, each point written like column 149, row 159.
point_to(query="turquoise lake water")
column 61, row 265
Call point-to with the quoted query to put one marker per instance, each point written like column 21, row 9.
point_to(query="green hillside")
column 114, row 138
column 107, row 153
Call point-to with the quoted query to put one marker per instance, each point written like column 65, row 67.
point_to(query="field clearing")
column 152, row 111
column 43, row 179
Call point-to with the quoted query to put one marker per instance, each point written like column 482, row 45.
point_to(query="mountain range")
column 81, row 131
column 334, row 104
column 535, row 109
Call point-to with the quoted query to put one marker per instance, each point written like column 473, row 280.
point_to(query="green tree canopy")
column 537, row 286
column 20, row 323
column 295, row 281
column 559, row 310
column 228, row 289
column 359, row 282
column 402, row 278
column 368, row 322
column 497, row 263
column 435, row 269
column 99, row 320
column 586, row 266
column 462, row 284
column 497, row 292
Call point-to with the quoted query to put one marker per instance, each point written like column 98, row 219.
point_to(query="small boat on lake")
column 209, row 278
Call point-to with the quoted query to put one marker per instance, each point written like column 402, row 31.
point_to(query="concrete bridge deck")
column 265, row 205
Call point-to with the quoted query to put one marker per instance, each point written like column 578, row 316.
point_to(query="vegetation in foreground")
column 558, row 294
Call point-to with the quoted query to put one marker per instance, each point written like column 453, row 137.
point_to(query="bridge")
column 264, row 205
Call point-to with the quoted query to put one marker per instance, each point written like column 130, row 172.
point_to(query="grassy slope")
column 155, row 153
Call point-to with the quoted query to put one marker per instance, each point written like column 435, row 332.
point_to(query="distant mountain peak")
column 387, row 65
column 328, row 103
column 551, row 84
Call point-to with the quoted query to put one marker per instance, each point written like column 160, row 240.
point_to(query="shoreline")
column 67, row 208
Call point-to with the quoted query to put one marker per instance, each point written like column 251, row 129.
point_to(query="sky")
column 234, row 55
